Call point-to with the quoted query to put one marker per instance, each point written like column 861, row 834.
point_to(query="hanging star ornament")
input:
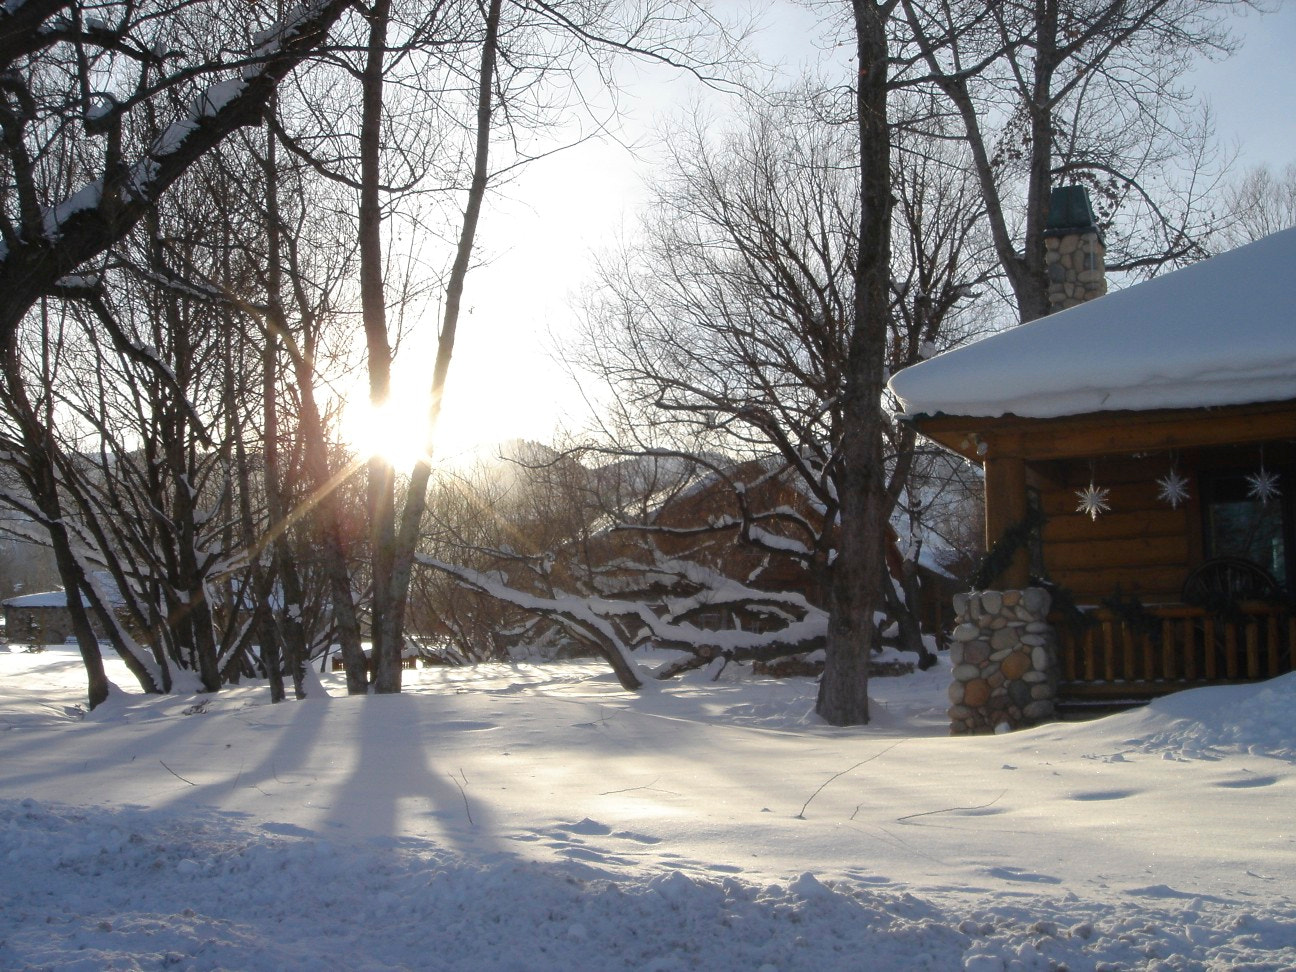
column 1093, row 501
column 1263, row 486
column 1174, row 488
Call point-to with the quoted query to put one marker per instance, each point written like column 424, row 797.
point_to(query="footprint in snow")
column 1103, row 795
column 463, row 726
column 1247, row 782
column 1017, row 874
column 287, row 830
column 637, row 838
column 586, row 828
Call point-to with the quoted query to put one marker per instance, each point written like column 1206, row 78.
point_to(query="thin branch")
column 928, row 813
column 801, row 815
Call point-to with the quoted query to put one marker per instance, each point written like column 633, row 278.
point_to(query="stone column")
column 1004, row 655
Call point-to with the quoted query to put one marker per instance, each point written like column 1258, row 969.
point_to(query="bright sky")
column 504, row 383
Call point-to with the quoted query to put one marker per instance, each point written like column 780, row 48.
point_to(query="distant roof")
column 58, row 599
column 1219, row 332
column 45, row 599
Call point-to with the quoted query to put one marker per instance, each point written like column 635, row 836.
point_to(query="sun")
column 397, row 430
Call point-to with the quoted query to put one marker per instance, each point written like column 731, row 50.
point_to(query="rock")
column 1032, row 640
column 957, row 693
column 965, row 673
column 1041, row 691
column 975, row 693
column 1004, row 638
column 1020, row 693
column 1036, row 600
column 1010, row 598
column 956, row 653
column 976, row 653
column 991, row 602
column 966, row 632
column 1042, row 658
column 1041, row 709
column 960, row 605
column 1015, row 665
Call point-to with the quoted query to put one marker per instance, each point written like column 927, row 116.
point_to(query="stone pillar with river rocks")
column 1004, row 658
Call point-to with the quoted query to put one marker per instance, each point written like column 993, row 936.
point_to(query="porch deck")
column 1172, row 647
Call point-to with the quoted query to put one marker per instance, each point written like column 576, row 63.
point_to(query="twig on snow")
column 928, row 813
column 646, row 786
column 801, row 815
column 176, row 775
column 463, row 793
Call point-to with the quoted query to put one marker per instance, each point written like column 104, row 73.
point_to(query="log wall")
column 1141, row 545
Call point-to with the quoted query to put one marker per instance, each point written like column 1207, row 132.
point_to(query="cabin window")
column 1239, row 525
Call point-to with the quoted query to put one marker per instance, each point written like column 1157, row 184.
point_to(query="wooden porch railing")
column 1180, row 646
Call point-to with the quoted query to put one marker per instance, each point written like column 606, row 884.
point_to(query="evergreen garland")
column 1000, row 555
column 1130, row 611
column 1069, row 613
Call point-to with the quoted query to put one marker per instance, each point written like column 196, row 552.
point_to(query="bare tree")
column 1047, row 91
column 130, row 144
column 1262, row 202
column 726, row 322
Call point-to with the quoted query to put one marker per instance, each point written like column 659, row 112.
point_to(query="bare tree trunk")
column 400, row 565
column 322, row 507
column 292, row 636
column 857, row 573
column 190, row 620
column 384, row 665
column 39, row 446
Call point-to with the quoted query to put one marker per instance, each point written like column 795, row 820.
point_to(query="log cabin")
column 1139, row 455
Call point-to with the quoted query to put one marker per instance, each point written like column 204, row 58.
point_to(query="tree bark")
column 857, row 572
column 384, row 665
column 403, row 544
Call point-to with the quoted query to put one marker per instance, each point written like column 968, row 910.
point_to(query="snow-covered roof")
column 45, row 599
column 58, row 599
column 1219, row 332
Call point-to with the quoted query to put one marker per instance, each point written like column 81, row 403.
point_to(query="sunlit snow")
column 538, row 817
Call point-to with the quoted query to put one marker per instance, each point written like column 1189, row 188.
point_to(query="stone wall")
column 1076, row 271
column 38, row 625
column 1004, row 656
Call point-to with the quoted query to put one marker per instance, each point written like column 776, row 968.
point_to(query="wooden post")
column 1005, row 501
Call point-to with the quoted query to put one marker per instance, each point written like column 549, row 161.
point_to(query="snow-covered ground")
column 537, row 817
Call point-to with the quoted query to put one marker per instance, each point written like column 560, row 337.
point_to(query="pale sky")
column 503, row 382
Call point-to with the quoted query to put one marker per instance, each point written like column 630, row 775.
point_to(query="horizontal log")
column 1260, row 609
column 1142, row 496
column 1113, row 433
column 1118, row 524
column 1151, row 584
column 1141, row 688
column 1170, row 552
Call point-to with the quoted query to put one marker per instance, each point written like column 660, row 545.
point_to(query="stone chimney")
column 1073, row 249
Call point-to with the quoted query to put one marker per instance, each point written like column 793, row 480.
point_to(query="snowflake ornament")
column 1174, row 488
column 1263, row 486
column 1093, row 501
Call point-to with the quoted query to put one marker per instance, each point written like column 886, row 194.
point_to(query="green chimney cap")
column 1069, row 210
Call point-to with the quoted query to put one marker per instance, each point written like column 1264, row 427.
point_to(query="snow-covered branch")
column 85, row 223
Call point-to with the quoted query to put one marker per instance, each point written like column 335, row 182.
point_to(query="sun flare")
column 397, row 430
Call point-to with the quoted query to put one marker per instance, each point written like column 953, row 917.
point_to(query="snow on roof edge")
column 1219, row 332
